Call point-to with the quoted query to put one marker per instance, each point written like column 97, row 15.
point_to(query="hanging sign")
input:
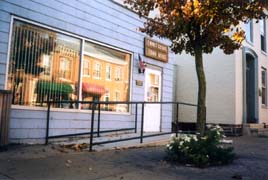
column 156, row 50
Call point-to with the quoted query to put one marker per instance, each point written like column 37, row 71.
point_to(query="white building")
column 236, row 83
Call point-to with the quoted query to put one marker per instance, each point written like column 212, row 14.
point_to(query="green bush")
column 200, row 151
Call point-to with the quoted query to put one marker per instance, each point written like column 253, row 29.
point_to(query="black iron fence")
column 96, row 110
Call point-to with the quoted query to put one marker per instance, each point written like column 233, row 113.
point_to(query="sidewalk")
column 52, row 162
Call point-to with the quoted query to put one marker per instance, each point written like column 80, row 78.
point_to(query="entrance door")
column 250, row 90
column 152, row 94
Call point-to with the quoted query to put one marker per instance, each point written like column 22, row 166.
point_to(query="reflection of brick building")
column 58, row 72
column 43, row 66
column 46, row 66
column 60, row 77
column 110, row 79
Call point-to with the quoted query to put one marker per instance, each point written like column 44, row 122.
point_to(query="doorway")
column 152, row 112
column 250, row 88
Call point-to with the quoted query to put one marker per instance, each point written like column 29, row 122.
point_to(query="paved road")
column 49, row 162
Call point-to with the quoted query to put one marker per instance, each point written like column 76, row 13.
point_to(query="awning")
column 53, row 87
column 93, row 88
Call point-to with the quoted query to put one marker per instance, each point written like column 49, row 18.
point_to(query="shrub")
column 200, row 151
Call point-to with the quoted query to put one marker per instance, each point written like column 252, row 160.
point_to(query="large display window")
column 44, row 65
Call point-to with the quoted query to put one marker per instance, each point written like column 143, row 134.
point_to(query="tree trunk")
column 201, row 109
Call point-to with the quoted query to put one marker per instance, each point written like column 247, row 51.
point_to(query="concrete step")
column 263, row 132
column 253, row 125
column 253, row 129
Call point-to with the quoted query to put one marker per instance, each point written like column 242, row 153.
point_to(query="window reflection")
column 43, row 66
column 110, row 81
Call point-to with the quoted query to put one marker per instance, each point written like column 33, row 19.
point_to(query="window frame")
column 117, row 98
column 82, row 53
column 47, row 67
column 249, row 26
column 64, row 60
column 86, row 68
column 108, row 72
column 96, row 74
column 118, row 74
column 263, row 35
column 106, row 95
column 264, row 86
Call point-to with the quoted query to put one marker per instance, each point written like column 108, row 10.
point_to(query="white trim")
column 36, row 108
column 80, row 78
column 8, row 51
column 263, row 53
column 249, row 43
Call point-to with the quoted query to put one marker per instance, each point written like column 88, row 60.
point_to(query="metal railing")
column 96, row 106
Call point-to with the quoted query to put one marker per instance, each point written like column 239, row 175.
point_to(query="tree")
column 197, row 27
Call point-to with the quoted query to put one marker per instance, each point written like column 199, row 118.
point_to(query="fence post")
column 177, row 119
column 92, row 126
column 142, row 122
column 5, row 106
column 48, row 117
column 136, row 117
column 98, row 133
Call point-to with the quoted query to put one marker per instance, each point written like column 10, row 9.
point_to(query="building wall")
column 220, row 78
column 239, row 87
column 99, row 20
column 262, row 62
column 224, row 75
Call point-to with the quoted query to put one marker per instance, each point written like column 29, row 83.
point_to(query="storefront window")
column 43, row 66
column 114, row 63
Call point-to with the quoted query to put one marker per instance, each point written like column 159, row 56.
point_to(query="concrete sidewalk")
column 52, row 162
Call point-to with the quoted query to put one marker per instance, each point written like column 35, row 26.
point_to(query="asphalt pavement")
column 55, row 162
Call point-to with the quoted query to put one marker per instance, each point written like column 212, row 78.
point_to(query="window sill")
column 264, row 106
column 86, row 75
column 64, row 79
column 44, row 109
column 97, row 78
column 250, row 43
column 264, row 53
